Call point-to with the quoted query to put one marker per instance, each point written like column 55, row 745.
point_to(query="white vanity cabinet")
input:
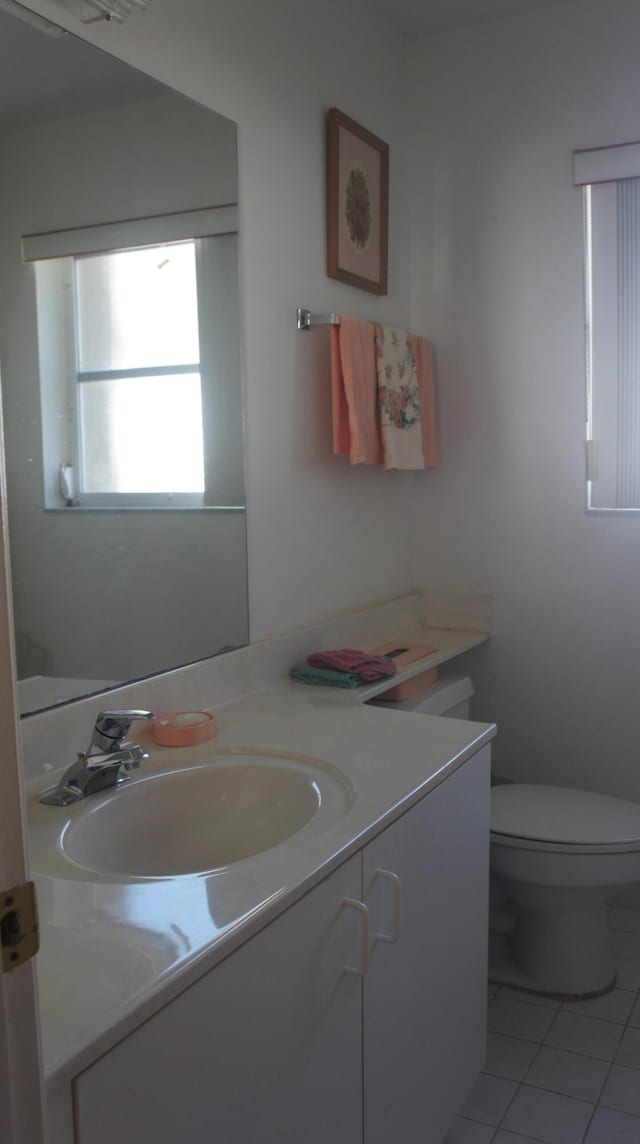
column 425, row 881
column 278, row 1044
column 265, row 1047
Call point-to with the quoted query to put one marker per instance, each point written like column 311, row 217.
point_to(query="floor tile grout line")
column 518, row 1087
column 497, row 1129
column 592, row 1017
column 544, row 1087
column 623, row 1026
column 583, row 1056
column 597, row 1106
column 520, row 1084
column 518, row 1136
column 578, row 1013
column 545, row 1045
column 523, row 1083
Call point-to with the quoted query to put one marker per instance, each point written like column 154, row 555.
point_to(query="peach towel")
column 423, row 354
column 354, row 394
column 356, row 427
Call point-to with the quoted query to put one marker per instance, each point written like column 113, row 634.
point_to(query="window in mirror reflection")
column 120, row 359
column 138, row 372
column 98, row 158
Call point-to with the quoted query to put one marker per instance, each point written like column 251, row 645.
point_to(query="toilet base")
column 561, row 941
column 504, row 971
column 550, row 940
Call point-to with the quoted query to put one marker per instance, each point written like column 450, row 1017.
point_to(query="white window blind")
column 610, row 177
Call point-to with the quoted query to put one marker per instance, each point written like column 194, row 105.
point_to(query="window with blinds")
column 610, row 178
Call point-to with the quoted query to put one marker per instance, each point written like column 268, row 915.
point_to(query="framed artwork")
column 357, row 204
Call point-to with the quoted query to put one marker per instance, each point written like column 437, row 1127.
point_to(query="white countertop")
column 114, row 951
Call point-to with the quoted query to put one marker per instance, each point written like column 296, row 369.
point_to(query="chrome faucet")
column 101, row 765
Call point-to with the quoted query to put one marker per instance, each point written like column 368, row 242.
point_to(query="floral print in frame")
column 357, row 204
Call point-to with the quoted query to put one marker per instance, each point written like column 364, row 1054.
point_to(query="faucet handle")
column 112, row 727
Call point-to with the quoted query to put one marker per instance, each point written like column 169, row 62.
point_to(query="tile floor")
column 562, row 1073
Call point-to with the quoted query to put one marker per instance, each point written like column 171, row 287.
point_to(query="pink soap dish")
column 184, row 729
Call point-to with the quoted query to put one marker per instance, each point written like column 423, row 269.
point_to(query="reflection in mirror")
column 120, row 368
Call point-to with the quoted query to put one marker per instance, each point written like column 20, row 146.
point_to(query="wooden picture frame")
column 357, row 204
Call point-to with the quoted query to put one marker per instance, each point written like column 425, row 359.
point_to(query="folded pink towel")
column 367, row 666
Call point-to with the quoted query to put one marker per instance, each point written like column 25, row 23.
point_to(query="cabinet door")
column 425, row 992
column 266, row 1047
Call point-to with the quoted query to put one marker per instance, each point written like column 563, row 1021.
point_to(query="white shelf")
column 449, row 644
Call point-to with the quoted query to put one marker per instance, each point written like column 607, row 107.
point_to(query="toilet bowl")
column 559, row 855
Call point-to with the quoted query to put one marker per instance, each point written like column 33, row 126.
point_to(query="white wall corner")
column 457, row 611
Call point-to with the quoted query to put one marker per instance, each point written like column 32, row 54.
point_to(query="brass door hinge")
column 19, row 936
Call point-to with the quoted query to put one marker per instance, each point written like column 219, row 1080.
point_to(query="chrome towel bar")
column 306, row 319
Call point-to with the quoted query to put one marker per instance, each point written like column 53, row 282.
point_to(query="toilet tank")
column 450, row 696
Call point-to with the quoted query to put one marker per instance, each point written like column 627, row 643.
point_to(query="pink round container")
column 184, row 729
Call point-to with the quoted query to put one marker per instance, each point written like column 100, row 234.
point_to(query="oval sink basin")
column 203, row 818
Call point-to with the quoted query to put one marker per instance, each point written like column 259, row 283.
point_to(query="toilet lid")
column 560, row 814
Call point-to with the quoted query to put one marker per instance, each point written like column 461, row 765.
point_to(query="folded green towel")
column 302, row 673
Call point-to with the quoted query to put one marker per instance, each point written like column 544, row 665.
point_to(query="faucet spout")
column 113, row 726
column 98, row 769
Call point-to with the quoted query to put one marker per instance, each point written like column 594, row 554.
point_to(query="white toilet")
column 557, row 856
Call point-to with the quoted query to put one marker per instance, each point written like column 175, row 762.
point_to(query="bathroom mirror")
column 120, row 369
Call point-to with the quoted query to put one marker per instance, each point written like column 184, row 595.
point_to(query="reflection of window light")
column 121, row 384
column 138, row 345
column 141, row 435
column 138, row 372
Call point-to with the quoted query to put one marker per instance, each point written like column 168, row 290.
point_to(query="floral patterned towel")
column 398, row 400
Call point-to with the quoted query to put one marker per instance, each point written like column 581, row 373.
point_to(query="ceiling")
column 42, row 78
column 436, row 15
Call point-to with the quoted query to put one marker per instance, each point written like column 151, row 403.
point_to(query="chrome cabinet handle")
column 389, row 876
column 354, row 904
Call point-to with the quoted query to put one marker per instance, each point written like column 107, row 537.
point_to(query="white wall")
column 497, row 281
column 321, row 538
